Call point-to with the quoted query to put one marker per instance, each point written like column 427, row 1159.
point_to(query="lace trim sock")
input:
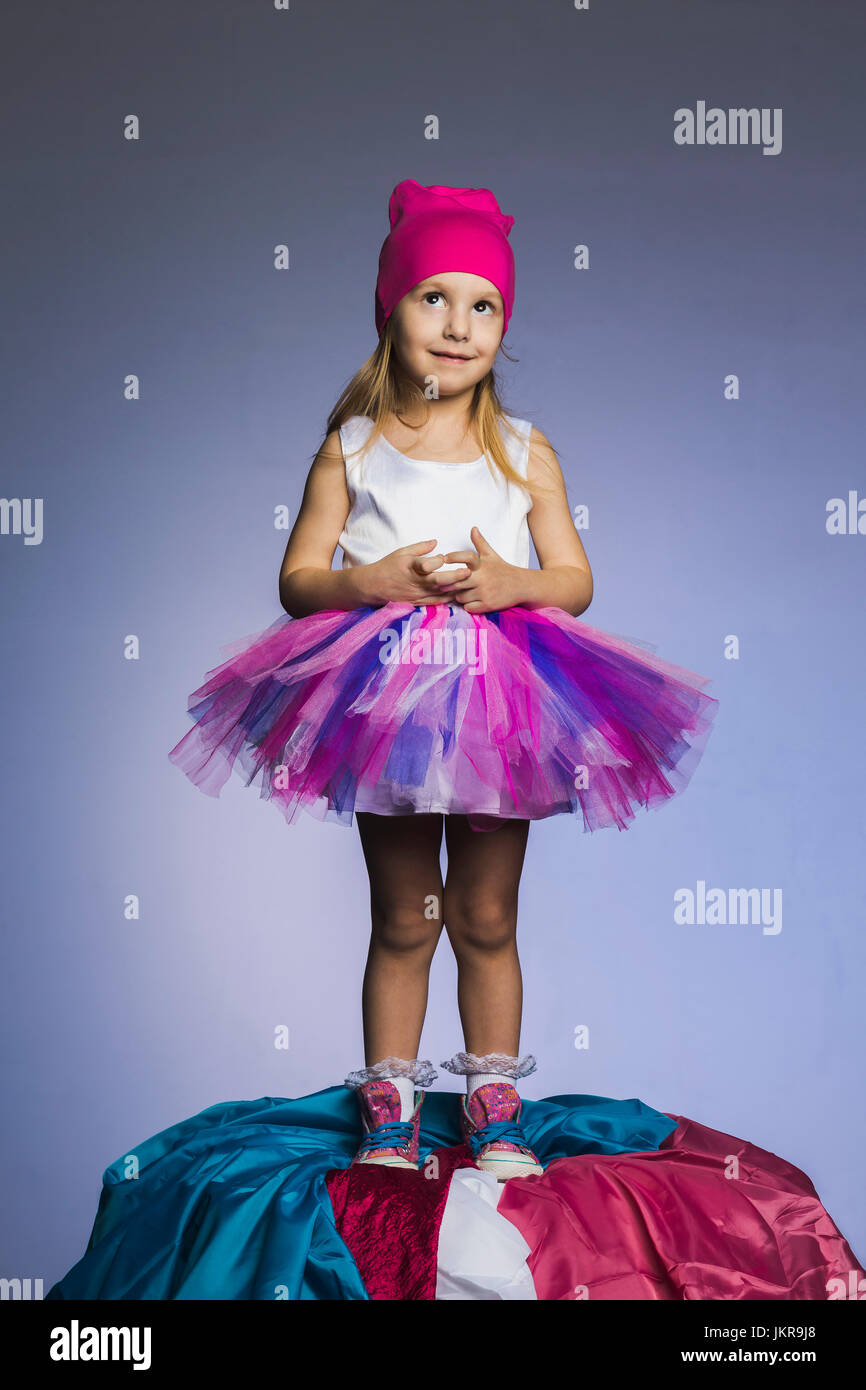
column 491, row 1066
column 421, row 1072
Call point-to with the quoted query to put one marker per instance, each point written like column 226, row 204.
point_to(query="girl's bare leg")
column 480, row 914
column 406, row 891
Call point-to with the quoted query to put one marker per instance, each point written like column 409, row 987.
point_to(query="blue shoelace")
column 496, row 1131
column 392, row 1134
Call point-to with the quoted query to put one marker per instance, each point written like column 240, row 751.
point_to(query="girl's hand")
column 408, row 575
column 492, row 583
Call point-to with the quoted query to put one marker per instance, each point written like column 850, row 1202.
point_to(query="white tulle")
column 421, row 1072
column 467, row 1064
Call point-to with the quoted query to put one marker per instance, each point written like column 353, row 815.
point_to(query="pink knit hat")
column 437, row 229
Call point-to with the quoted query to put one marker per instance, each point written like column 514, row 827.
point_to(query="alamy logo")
column 737, row 126
column 718, row 907
column 22, row 516
column 75, row 1343
column 435, row 647
column 21, row 1288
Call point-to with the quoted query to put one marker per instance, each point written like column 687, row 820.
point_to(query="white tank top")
column 397, row 500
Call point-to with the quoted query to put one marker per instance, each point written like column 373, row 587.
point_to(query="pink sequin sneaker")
column 490, row 1123
column 387, row 1139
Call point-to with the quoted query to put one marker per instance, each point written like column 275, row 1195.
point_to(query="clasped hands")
column 484, row 584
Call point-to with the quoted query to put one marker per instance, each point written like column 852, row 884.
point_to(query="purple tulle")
column 402, row 709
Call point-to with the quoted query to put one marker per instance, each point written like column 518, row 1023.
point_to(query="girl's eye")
column 437, row 294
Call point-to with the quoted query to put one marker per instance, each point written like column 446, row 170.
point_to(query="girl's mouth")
column 450, row 357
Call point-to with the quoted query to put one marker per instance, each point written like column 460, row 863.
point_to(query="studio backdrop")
column 195, row 197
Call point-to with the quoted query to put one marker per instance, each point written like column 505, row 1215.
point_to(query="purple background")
column 707, row 518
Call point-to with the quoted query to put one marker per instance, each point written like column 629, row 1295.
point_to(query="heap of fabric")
column 258, row 1200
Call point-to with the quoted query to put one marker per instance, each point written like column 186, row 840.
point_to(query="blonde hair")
column 381, row 389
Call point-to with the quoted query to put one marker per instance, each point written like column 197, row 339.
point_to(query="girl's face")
column 449, row 327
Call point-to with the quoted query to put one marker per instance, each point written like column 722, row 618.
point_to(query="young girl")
column 436, row 681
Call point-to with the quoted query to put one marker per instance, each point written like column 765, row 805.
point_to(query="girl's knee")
column 406, row 929
column 480, row 924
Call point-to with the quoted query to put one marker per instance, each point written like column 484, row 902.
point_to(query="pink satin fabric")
column 668, row 1223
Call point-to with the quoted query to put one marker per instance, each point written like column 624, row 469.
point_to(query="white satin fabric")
column 481, row 1255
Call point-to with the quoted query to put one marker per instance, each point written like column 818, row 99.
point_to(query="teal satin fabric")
column 232, row 1203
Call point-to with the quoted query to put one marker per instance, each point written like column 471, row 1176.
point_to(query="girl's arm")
column 307, row 583
column 565, row 578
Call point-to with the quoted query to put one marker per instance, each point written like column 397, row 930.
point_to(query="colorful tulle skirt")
column 402, row 709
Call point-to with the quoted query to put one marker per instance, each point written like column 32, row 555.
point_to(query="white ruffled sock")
column 479, row 1070
column 407, row 1074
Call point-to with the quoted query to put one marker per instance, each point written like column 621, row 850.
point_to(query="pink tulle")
column 521, row 713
